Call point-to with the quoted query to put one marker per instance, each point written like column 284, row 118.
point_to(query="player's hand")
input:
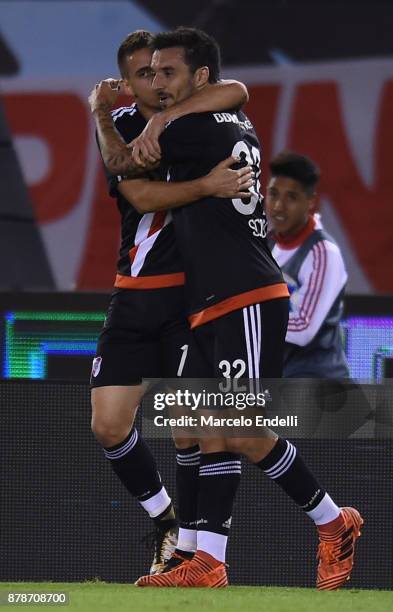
column 140, row 161
column 223, row 182
column 104, row 94
column 141, row 157
column 146, row 146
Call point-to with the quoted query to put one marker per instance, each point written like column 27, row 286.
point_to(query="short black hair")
column 200, row 49
column 140, row 39
column 297, row 167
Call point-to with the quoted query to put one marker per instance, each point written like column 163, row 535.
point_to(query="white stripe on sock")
column 155, row 505
column 207, row 465
column 286, row 465
column 194, row 460
column 214, row 544
column 188, row 456
column 188, row 459
column 187, row 540
column 123, row 450
column 231, row 471
column 219, row 469
column 280, row 462
column 325, row 512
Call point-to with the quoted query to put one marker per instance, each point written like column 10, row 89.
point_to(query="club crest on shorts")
column 95, row 370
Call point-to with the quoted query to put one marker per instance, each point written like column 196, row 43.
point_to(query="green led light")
column 58, row 316
column 27, row 350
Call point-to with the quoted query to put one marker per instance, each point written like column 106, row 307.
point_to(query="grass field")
column 99, row 596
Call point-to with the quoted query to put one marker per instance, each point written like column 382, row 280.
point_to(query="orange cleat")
column 202, row 571
column 336, row 549
column 178, row 557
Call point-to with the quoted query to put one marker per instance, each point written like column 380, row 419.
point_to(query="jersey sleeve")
column 112, row 182
column 322, row 276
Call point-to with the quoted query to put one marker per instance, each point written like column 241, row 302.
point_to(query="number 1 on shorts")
column 184, row 348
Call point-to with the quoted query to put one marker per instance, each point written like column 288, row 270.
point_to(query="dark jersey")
column 222, row 242
column 148, row 255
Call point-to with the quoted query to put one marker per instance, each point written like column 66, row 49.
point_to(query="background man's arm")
column 322, row 277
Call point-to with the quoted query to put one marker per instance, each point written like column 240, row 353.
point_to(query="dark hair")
column 297, row 167
column 140, row 39
column 200, row 49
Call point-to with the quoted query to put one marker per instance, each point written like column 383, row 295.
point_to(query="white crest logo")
column 95, row 370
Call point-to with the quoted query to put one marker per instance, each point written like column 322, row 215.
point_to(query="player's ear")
column 313, row 203
column 201, row 76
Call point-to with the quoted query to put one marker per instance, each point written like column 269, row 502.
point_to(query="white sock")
column 214, row 544
column 187, row 540
column 155, row 505
column 325, row 512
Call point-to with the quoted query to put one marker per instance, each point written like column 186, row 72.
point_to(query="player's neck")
column 295, row 238
column 147, row 112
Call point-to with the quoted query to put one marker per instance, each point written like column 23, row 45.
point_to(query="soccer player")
column 146, row 327
column 238, row 309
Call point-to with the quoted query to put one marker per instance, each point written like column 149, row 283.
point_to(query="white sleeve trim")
column 321, row 278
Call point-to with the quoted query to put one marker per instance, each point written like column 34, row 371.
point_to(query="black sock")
column 219, row 479
column 133, row 462
column 285, row 466
column 187, row 484
column 184, row 553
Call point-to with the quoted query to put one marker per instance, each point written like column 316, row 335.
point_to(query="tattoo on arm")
column 115, row 153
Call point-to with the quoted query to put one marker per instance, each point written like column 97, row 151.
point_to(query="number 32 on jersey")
column 253, row 158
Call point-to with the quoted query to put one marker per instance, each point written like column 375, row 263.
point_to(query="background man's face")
column 287, row 205
column 139, row 78
column 173, row 80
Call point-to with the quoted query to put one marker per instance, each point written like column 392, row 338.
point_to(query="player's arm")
column 116, row 154
column 214, row 97
column 221, row 182
column 322, row 277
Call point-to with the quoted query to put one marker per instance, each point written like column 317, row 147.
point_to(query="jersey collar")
column 295, row 240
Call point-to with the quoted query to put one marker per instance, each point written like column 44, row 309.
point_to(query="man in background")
column 313, row 268
column 315, row 273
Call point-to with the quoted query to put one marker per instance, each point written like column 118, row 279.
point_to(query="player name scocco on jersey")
column 148, row 255
column 222, row 242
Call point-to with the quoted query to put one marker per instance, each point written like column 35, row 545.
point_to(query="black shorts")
column 145, row 335
column 246, row 343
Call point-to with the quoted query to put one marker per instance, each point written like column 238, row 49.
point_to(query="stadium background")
column 320, row 78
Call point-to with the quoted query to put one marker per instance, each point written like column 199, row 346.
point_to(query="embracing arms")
column 143, row 154
column 221, row 182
